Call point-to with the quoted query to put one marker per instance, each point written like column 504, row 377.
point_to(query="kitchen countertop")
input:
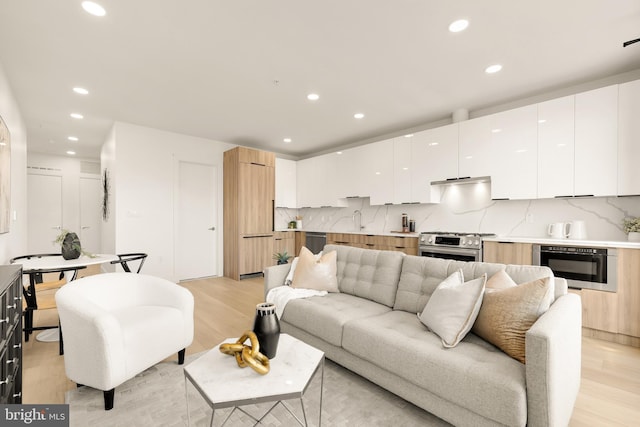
column 370, row 233
column 566, row 242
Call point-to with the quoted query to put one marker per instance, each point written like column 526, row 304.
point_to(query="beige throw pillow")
column 507, row 314
column 453, row 308
column 319, row 274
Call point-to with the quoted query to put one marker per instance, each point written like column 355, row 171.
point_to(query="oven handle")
column 446, row 250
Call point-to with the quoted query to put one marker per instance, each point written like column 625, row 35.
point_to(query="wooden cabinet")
column 408, row 244
column 629, row 139
column 596, row 141
column 556, row 119
column 628, row 309
column 507, row 253
column 249, row 197
column 285, row 241
column 11, row 334
column 286, row 179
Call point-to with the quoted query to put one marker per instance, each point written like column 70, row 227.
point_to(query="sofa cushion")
column 317, row 273
column 324, row 316
column 507, row 314
column 367, row 273
column 453, row 308
column 474, row 375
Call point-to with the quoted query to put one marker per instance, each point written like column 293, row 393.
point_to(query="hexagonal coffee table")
column 223, row 384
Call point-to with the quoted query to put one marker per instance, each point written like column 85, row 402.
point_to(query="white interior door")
column 196, row 218
column 44, row 213
column 90, row 214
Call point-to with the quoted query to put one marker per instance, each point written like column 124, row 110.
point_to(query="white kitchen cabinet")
column 474, row 148
column 629, row 139
column 316, row 182
column 402, row 170
column 350, row 171
column 434, row 157
column 286, row 179
column 514, row 154
column 378, row 172
column 556, row 120
column 596, row 142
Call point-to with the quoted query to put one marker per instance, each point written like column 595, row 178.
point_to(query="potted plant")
column 631, row 226
column 70, row 245
column 282, row 257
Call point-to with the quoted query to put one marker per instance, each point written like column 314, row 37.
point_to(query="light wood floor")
column 609, row 393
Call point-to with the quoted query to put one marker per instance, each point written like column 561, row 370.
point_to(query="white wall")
column 14, row 243
column 108, row 162
column 469, row 208
column 143, row 177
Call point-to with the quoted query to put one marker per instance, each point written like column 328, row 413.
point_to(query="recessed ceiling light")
column 338, row 152
column 409, row 135
column 72, row 138
column 358, row 115
column 71, row 153
column 77, row 116
column 313, row 97
column 491, row 69
column 3, row 143
column 377, row 173
column 80, row 91
column 93, row 8
column 405, row 169
column 287, row 140
column 459, row 25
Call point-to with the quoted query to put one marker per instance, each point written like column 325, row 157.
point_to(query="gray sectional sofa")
column 371, row 328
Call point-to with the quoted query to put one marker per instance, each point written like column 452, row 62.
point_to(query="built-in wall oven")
column 583, row 267
column 452, row 245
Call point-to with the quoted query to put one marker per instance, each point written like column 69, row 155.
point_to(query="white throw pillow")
column 453, row 307
column 318, row 274
column 289, row 279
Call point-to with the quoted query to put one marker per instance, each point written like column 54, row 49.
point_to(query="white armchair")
column 116, row 325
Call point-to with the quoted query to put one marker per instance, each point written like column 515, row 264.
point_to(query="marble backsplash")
column 469, row 208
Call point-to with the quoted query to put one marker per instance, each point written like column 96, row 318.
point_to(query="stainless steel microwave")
column 583, row 267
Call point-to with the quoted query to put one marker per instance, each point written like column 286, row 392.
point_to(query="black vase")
column 71, row 246
column 266, row 326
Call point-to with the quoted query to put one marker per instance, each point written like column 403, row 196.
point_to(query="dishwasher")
column 315, row 241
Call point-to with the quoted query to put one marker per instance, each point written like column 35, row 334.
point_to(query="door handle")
column 211, row 229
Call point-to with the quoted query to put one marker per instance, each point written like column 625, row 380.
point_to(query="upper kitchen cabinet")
column 629, row 139
column 286, row 179
column 596, row 141
column 402, row 171
column 514, row 154
column 317, row 182
column 474, row 147
column 378, row 172
column 556, row 119
column 434, row 157
column 350, row 170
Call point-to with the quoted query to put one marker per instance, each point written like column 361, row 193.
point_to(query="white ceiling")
column 209, row 68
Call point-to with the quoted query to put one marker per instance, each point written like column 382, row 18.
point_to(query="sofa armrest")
column 554, row 354
column 274, row 276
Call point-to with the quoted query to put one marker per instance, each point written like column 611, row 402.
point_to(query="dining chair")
column 39, row 294
column 124, row 259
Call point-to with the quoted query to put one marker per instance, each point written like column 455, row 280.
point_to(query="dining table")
column 36, row 265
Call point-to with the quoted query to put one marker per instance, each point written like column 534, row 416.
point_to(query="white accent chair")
column 116, row 325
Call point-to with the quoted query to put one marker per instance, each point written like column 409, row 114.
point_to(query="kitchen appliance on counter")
column 577, row 230
column 452, row 245
column 583, row 267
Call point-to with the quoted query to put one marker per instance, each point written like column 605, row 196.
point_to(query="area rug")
column 158, row 397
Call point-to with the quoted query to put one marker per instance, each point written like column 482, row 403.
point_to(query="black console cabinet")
column 10, row 334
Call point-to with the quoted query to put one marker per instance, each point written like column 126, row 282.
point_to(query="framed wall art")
column 5, row 177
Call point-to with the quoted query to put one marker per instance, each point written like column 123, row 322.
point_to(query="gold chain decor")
column 247, row 355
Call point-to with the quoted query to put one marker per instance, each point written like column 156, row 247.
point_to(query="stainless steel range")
column 452, row 245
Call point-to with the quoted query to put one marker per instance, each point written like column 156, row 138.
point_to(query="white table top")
column 223, row 384
column 53, row 262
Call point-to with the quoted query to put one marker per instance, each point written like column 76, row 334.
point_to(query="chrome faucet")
column 359, row 226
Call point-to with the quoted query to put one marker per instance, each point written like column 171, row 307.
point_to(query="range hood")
column 462, row 180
